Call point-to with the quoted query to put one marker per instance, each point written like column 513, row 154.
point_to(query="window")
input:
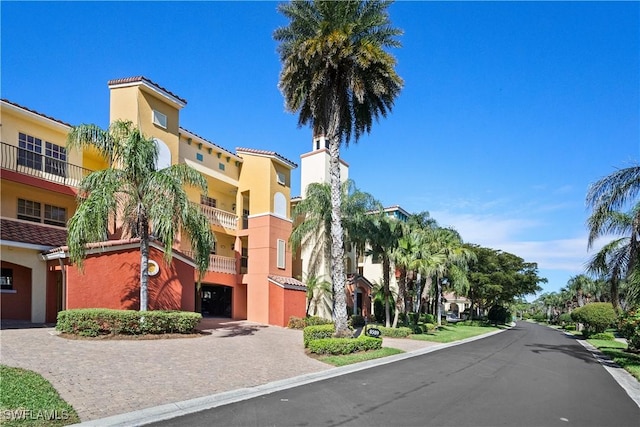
column 281, row 178
column 214, row 248
column 54, row 215
column 199, row 157
column 6, row 279
column 32, row 211
column 29, row 210
column 159, row 119
column 221, row 166
column 30, row 151
column 207, row 201
column 55, row 161
column 281, row 254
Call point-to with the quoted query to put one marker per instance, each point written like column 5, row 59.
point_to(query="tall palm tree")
column 382, row 236
column 338, row 76
column 580, row 285
column 406, row 257
column 607, row 198
column 451, row 258
column 145, row 199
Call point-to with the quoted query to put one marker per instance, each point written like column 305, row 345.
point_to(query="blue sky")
column 509, row 111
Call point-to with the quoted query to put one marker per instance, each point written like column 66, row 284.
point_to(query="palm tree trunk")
column 387, row 291
column 400, row 307
column 144, row 265
column 438, row 299
column 337, row 247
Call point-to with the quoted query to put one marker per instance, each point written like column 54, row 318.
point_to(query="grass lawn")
column 615, row 351
column 348, row 359
column 27, row 399
column 452, row 333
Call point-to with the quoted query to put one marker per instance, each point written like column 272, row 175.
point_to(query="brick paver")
column 101, row 378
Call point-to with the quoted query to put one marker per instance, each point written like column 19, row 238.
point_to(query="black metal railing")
column 37, row 165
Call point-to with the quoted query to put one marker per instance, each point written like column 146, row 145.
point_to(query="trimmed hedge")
column 303, row 322
column 596, row 317
column 606, row 336
column 312, row 333
column 337, row 346
column 92, row 322
column 401, row 332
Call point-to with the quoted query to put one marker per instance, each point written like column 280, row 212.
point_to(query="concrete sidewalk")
column 103, row 378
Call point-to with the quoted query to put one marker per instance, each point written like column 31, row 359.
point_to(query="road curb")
column 627, row 381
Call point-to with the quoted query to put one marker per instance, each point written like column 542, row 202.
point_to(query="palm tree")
column 449, row 259
column 149, row 202
column 337, row 75
column 406, row 257
column 382, row 236
column 578, row 286
column 317, row 291
column 618, row 260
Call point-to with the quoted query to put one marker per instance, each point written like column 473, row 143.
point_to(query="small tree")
column 596, row 317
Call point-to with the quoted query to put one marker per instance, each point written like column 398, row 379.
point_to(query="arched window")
column 280, row 205
column 164, row 155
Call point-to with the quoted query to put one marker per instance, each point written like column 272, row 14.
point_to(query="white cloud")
column 506, row 233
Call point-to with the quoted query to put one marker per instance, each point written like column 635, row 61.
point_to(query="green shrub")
column 596, row 317
column 499, row 314
column 570, row 327
column 565, row 318
column 102, row 321
column 316, row 332
column 427, row 318
column 356, row 321
column 336, row 346
column 629, row 327
column 317, row 320
column 607, row 336
column 296, row 323
column 395, row 332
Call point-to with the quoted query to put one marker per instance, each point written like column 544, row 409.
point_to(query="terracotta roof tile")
column 137, row 79
column 36, row 112
column 32, row 233
column 267, row 153
column 206, row 140
column 288, row 282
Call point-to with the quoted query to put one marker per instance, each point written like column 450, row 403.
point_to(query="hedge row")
column 401, row 332
column 344, row 345
column 303, row 322
column 311, row 333
column 92, row 322
column 629, row 327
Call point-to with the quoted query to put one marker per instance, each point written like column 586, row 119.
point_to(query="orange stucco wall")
column 112, row 280
column 284, row 303
column 264, row 231
column 17, row 305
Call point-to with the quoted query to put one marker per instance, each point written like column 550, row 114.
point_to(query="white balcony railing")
column 217, row 263
column 220, row 218
column 222, row 264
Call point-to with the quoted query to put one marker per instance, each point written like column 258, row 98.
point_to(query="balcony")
column 39, row 166
column 217, row 263
column 224, row 219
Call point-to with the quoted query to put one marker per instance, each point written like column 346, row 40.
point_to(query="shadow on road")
column 573, row 349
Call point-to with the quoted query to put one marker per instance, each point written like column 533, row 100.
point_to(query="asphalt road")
column 529, row 375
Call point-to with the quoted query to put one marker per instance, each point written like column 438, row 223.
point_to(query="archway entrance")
column 215, row 301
